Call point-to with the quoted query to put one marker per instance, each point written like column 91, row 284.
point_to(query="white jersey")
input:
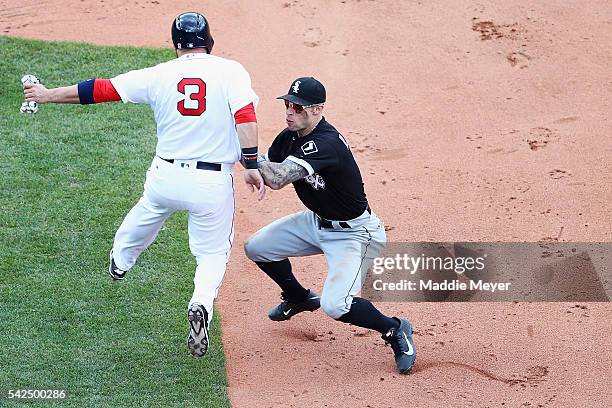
column 194, row 99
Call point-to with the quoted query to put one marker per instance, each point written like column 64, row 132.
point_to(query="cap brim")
column 295, row 99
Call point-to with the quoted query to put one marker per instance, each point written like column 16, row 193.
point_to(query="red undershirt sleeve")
column 246, row 114
column 104, row 91
column 97, row 90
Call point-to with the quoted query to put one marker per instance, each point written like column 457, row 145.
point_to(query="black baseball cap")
column 305, row 91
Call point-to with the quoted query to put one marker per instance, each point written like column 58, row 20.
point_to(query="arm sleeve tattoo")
column 278, row 175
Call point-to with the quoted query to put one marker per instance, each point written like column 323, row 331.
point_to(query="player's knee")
column 333, row 307
column 251, row 248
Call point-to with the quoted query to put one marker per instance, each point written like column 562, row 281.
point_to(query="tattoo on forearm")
column 278, row 175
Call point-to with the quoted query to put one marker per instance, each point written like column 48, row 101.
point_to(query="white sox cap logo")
column 309, row 148
column 296, row 86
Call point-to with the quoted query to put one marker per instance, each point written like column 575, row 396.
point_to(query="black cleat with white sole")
column 402, row 344
column 113, row 270
column 286, row 309
column 197, row 340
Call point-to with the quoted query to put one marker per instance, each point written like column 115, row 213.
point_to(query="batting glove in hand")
column 29, row 107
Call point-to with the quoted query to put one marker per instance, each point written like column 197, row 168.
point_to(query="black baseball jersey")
column 333, row 188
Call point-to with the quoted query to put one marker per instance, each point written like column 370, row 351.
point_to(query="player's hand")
column 36, row 93
column 253, row 179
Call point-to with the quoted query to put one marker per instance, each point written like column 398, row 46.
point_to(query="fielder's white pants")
column 208, row 196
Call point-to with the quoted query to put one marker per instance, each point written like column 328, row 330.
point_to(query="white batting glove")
column 29, row 107
column 29, row 79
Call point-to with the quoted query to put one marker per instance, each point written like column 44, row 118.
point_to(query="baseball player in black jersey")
column 337, row 222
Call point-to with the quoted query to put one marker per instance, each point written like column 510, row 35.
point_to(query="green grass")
column 68, row 176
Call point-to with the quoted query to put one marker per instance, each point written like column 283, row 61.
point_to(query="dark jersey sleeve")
column 275, row 150
column 316, row 156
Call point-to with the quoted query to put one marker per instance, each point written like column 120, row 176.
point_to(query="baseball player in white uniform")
column 204, row 109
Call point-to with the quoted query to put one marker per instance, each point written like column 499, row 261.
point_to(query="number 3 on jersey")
column 194, row 103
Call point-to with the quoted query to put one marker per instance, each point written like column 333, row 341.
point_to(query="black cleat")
column 287, row 309
column 197, row 340
column 402, row 344
column 113, row 270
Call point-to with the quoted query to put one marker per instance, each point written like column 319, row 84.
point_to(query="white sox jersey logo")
column 309, row 148
column 315, row 181
column 296, row 86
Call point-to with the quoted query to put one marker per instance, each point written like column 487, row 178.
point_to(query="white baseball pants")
column 208, row 196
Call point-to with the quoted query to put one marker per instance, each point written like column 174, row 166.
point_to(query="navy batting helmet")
column 191, row 30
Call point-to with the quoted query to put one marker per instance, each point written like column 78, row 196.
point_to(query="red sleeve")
column 246, row 114
column 104, row 91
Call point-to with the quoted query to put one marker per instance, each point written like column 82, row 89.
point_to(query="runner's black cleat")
column 113, row 270
column 197, row 340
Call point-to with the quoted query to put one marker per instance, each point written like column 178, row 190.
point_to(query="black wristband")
column 249, row 157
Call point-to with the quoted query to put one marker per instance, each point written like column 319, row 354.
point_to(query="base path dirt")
column 471, row 120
